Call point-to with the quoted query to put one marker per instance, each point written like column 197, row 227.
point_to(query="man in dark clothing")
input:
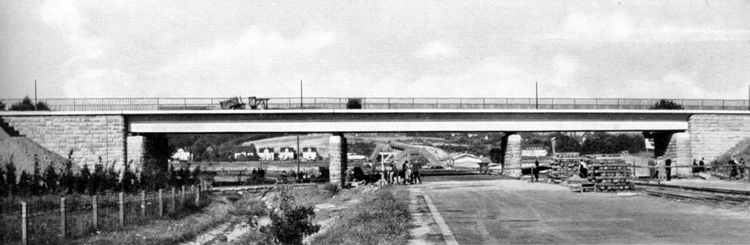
column 668, row 169
column 700, row 165
column 417, row 177
column 536, row 170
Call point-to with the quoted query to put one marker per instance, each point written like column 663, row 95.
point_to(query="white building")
column 267, row 154
column 287, row 153
column 465, row 160
column 309, row 153
column 243, row 152
column 182, row 155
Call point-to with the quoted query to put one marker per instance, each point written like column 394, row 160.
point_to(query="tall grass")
column 381, row 218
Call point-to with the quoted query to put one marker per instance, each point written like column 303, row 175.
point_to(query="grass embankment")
column 381, row 217
column 178, row 227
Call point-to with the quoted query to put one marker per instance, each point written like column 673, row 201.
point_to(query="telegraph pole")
column 537, row 95
column 299, row 150
column 35, row 95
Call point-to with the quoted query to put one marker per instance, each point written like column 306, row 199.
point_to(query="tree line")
column 100, row 179
column 25, row 105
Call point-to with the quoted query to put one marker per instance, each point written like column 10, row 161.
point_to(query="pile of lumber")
column 610, row 174
column 563, row 167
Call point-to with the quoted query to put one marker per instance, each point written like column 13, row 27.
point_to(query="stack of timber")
column 577, row 184
column 564, row 166
column 611, row 174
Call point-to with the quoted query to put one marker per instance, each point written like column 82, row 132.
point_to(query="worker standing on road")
column 536, row 170
column 732, row 168
column 742, row 167
column 417, row 176
column 652, row 168
column 662, row 169
column 667, row 165
column 701, row 164
column 695, row 166
column 407, row 173
column 583, row 169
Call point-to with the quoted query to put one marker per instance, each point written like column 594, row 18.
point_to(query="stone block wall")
column 337, row 159
column 136, row 150
column 513, row 155
column 714, row 134
column 680, row 153
column 89, row 136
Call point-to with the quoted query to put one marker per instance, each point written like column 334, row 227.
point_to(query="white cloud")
column 437, row 49
column 624, row 27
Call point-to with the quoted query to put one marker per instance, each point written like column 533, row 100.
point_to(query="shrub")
column 10, row 177
column 50, row 178
column 332, row 188
column 354, row 104
column 290, row 223
column 2, row 105
column 27, row 105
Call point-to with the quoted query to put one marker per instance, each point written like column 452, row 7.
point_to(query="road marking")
column 447, row 233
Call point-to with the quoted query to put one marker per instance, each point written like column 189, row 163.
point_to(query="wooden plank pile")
column 610, row 174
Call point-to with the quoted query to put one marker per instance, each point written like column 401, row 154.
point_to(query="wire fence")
column 42, row 222
column 136, row 104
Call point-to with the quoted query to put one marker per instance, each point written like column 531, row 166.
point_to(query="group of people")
column 736, row 168
column 660, row 168
column 408, row 174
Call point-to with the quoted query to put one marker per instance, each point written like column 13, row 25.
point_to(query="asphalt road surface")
column 513, row 212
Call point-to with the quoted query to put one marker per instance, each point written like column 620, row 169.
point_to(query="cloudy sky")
column 601, row 49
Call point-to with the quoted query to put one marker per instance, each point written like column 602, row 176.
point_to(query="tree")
column 2, row 105
column 128, row 178
column 666, row 105
column 27, row 105
column 3, row 184
column 68, row 179
column 84, row 180
column 10, row 177
column 290, row 223
column 96, row 184
column 24, row 184
column 35, row 187
column 661, row 138
column 50, row 178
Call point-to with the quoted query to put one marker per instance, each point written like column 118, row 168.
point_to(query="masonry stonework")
column 680, row 153
column 513, row 155
column 337, row 160
column 136, row 150
column 88, row 136
column 714, row 134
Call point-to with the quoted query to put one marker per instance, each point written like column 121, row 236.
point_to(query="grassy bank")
column 178, row 227
column 381, row 217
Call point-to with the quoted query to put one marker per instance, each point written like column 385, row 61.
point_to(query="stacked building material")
column 564, row 166
column 610, row 174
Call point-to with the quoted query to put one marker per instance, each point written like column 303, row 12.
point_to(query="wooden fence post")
column 198, row 197
column 122, row 209
column 182, row 197
column 174, row 203
column 62, row 217
column 24, row 223
column 143, row 203
column 95, row 217
column 161, row 203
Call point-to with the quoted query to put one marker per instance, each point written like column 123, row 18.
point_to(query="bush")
column 354, row 104
column 332, row 188
column 290, row 223
column 27, row 105
column 2, row 105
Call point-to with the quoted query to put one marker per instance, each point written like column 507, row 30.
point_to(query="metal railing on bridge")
column 106, row 104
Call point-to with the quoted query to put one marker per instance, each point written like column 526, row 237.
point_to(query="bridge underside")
column 354, row 121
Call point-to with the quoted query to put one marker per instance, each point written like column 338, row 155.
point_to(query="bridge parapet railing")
column 108, row 104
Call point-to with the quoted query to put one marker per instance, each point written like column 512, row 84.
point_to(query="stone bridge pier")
column 337, row 161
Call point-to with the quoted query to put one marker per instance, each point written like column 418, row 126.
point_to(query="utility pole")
column 537, row 95
column 299, row 150
column 35, row 95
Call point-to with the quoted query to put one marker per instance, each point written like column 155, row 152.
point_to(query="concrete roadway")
column 513, row 212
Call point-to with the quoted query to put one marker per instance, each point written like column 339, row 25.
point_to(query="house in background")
column 243, row 152
column 354, row 158
column 266, row 154
column 465, row 160
column 287, row 153
column 535, row 151
column 309, row 153
column 182, row 155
